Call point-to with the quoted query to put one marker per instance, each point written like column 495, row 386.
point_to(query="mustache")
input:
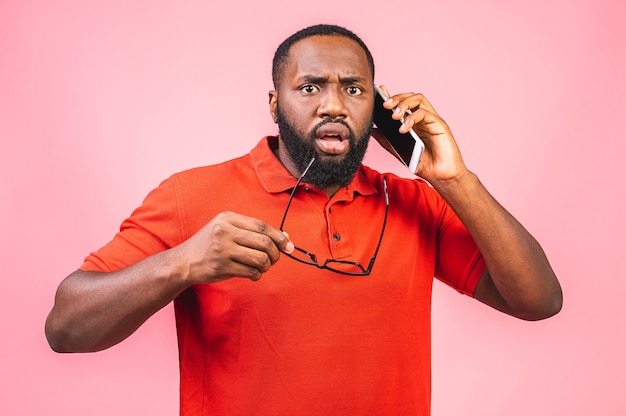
column 331, row 120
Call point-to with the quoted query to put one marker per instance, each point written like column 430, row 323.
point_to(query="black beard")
column 325, row 172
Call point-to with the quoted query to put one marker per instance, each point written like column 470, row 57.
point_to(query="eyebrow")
column 320, row 80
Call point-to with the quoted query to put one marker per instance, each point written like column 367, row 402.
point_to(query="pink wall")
column 99, row 101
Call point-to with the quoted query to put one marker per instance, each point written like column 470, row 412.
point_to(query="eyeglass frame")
column 325, row 265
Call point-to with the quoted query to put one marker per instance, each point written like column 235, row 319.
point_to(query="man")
column 266, row 324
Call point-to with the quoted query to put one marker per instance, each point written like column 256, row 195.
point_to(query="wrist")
column 176, row 269
column 459, row 184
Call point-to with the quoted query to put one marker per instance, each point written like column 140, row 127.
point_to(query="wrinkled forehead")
column 326, row 56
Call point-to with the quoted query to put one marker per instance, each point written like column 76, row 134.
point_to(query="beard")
column 325, row 172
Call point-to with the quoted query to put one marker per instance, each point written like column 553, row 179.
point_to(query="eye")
column 309, row 89
column 354, row 90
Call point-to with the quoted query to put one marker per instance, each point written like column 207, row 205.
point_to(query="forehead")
column 326, row 56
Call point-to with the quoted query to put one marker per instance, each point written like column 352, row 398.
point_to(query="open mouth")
column 332, row 138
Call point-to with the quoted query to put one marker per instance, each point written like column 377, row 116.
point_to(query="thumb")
column 289, row 247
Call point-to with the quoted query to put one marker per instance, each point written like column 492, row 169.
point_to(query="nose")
column 332, row 105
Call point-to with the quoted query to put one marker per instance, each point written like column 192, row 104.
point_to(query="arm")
column 519, row 279
column 95, row 310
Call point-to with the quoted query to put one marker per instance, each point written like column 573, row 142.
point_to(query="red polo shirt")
column 304, row 340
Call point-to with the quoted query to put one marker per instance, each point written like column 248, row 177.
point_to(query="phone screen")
column 404, row 144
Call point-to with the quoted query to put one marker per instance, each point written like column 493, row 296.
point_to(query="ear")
column 273, row 101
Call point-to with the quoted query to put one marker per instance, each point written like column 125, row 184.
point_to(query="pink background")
column 100, row 101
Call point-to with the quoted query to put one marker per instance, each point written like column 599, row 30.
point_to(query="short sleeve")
column 459, row 262
column 151, row 228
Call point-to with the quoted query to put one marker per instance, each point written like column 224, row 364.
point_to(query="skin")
column 325, row 77
column 519, row 280
column 322, row 82
column 96, row 310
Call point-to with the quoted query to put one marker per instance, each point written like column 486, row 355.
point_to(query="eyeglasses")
column 349, row 268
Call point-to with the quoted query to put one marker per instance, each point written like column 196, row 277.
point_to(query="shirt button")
column 337, row 237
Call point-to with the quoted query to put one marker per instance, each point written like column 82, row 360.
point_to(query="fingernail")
column 289, row 247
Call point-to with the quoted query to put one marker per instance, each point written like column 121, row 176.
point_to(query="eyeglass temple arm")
column 380, row 240
column 293, row 191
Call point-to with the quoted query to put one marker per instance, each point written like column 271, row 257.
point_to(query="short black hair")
column 282, row 52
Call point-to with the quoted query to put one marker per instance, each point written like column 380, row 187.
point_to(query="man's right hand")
column 230, row 245
column 95, row 310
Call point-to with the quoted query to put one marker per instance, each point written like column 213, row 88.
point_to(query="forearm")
column 94, row 310
column 519, row 270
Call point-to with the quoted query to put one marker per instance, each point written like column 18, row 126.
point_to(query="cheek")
column 362, row 113
column 363, row 123
column 300, row 113
column 304, row 127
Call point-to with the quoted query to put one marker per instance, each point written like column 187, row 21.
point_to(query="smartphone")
column 408, row 147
